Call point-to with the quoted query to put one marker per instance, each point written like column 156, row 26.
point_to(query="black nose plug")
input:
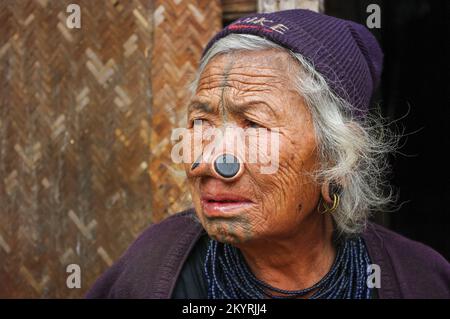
column 227, row 165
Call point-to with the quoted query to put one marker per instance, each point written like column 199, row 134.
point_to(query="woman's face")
column 255, row 90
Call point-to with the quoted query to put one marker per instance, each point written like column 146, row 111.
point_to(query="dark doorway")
column 415, row 88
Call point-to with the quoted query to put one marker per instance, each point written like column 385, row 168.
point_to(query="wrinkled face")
column 255, row 90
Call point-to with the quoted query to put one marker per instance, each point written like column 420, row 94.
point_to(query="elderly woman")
column 301, row 230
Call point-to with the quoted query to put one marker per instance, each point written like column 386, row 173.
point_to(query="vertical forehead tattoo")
column 226, row 74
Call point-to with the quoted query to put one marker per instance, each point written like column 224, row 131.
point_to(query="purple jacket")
column 151, row 265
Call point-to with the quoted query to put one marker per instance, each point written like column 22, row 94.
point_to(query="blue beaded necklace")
column 229, row 276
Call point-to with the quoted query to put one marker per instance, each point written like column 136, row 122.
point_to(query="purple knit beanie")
column 345, row 53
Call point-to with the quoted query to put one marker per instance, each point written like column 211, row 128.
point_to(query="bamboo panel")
column 75, row 116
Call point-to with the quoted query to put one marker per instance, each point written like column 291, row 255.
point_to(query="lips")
column 224, row 204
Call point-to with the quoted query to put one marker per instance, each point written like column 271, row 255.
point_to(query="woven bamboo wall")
column 85, row 117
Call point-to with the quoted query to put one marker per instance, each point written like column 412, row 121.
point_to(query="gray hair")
column 352, row 151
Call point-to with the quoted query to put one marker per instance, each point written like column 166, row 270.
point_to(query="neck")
column 297, row 261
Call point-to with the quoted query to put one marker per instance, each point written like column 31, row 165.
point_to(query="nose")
column 224, row 160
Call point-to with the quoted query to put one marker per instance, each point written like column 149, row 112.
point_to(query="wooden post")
column 278, row 5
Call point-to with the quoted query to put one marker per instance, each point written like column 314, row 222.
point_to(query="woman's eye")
column 252, row 124
column 197, row 122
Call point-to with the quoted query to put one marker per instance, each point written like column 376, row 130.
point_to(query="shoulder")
column 405, row 247
column 419, row 271
column 170, row 228
column 149, row 267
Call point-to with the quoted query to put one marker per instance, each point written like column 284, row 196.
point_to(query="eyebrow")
column 200, row 106
column 233, row 108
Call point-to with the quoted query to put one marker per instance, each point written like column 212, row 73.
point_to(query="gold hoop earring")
column 335, row 205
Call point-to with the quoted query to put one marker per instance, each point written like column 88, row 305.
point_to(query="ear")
column 325, row 191
column 328, row 189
